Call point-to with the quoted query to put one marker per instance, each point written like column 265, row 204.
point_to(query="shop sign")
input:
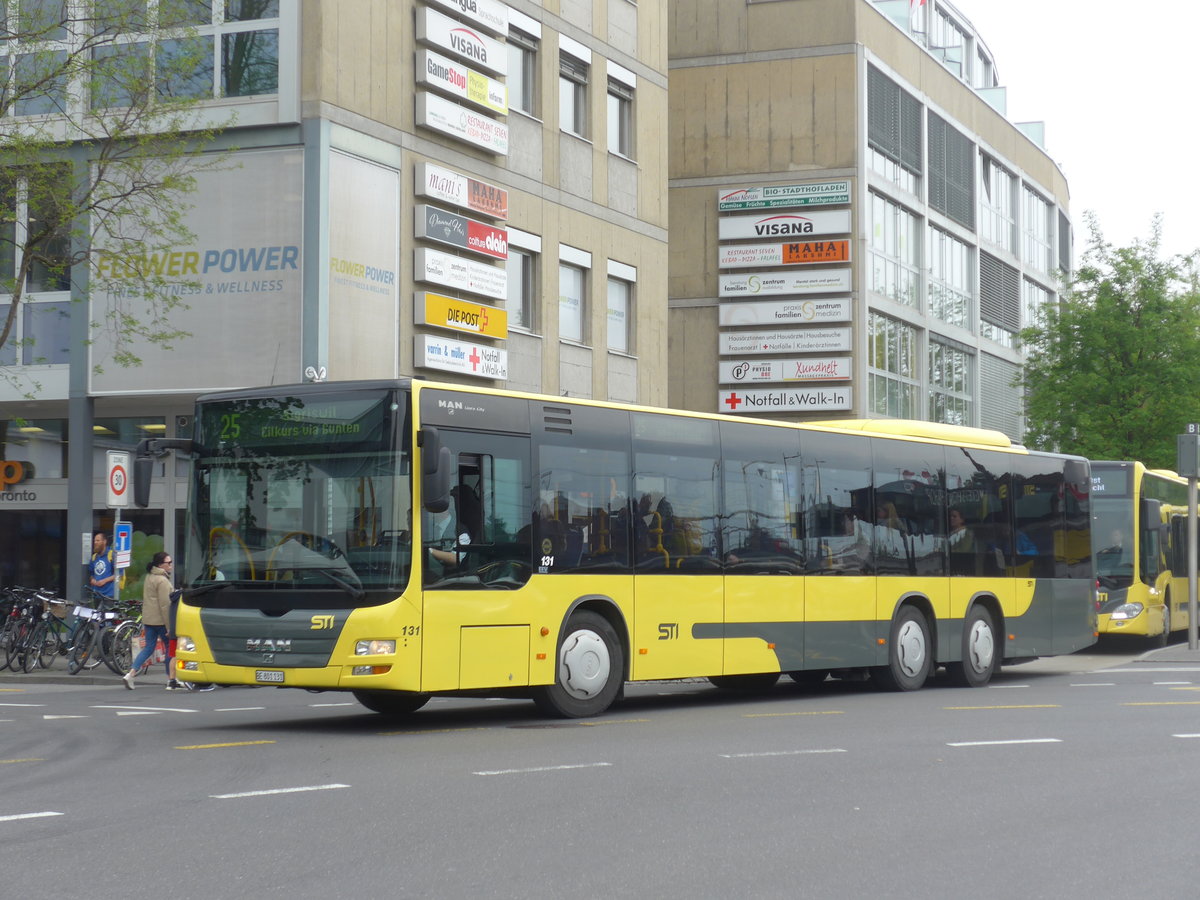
column 784, row 196
column 793, row 340
column 745, row 371
column 763, row 400
column 460, row 274
column 799, row 253
column 445, row 227
column 784, row 225
column 435, row 70
column 461, row 123
column 439, row 183
column 762, row 284
column 12, row 473
column 463, row 41
column 488, row 13
column 780, row 312
column 460, row 315
column 461, row 357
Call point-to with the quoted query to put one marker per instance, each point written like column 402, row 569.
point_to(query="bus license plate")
column 263, row 676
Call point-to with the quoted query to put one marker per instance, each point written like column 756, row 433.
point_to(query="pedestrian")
column 156, row 610
column 172, row 684
column 101, row 568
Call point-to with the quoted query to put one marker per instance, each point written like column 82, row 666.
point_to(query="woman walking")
column 156, row 610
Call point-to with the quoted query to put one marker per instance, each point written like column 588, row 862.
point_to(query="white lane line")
column 1005, row 687
column 292, row 790
column 22, row 704
column 332, row 704
column 150, row 708
column 1169, row 683
column 1096, row 684
column 778, row 753
column 1156, row 669
column 48, row 716
column 1001, row 743
column 37, row 815
column 1186, row 735
column 238, row 708
column 137, row 712
column 544, row 769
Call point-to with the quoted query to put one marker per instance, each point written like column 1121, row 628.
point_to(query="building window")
column 520, row 304
column 571, row 302
column 20, row 216
column 250, row 63
column 1035, row 299
column 997, row 216
column 891, row 368
column 951, row 172
column 895, row 252
column 893, row 130
column 951, row 279
column 1035, row 228
column 572, row 95
column 948, row 43
column 999, row 300
column 620, row 305
column 620, row 118
column 42, row 443
column 522, row 66
column 950, row 380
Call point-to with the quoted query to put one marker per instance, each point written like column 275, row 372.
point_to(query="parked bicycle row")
column 37, row 629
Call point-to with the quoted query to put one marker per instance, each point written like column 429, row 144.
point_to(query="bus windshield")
column 1112, row 540
column 300, row 502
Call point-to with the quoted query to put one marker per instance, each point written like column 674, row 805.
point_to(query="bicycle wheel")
column 43, row 647
column 6, row 647
column 118, row 646
column 83, row 651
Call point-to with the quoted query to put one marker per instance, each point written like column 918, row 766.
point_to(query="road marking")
column 293, row 790
column 815, row 712
column 544, row 769
column 65, row 717
column 137, row 712
column 612, row 722
column 778, row 753
column 1000, row 743
column 238, row 708
column 1006, row 687
column 1166, row 683
column 1188, row 688
column 1025, row 706
column 150, row 708
column 1186, row 735
column 29, row 759
column 37, row 815
column 12, row 690
column 1165, row 703
column 22, row 704
column 1096, row 684
column 332, row 704
column 1156, row 669
column 217, row 746
column 431, row 731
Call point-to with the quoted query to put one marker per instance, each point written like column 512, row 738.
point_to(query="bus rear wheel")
column 391, row 703
column 979, row 659
column 590, row 670
column 909, row 657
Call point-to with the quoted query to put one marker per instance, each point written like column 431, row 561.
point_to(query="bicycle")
column 89, row 649
column 21, row 635
column 51, row 636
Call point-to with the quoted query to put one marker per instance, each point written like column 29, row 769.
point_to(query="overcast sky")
column 1115, row 83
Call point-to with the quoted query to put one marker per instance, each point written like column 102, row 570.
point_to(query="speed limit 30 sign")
column 118, row 479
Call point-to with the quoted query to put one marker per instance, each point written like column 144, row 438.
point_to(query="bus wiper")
column 350, row 588
column 189, row 593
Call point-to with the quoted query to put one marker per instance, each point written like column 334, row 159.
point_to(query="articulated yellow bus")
column 1139, row 540
column 404, row 539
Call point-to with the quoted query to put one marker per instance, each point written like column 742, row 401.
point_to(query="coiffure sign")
column 445, row 227
column 462, row 41
column 450, row 187
column 12, row 473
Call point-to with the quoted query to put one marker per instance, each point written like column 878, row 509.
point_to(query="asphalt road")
column 1066, row 778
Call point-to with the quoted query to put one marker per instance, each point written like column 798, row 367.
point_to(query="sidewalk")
column 102, row 675
column 1176, row 653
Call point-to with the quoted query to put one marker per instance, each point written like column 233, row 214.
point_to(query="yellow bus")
column 1139, row 541
column 404, row 539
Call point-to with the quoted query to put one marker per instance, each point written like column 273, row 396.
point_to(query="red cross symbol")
column 475, row 359
column 733, row 400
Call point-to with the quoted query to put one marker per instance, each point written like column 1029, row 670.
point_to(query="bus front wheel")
column 909, row 657
column 391, row 703
column 590, row 670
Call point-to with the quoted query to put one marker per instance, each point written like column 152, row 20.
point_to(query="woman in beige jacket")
column 156, row 610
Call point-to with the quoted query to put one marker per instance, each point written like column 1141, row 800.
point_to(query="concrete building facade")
column 856, row 228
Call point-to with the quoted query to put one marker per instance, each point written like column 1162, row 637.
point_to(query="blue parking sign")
column 123, row 544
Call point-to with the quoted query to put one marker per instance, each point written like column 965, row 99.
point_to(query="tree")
column 1113, row 370
column 101, row 138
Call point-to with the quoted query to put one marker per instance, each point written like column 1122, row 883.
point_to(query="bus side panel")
column 761, row 611
column 841, row 628
column 1052, row 616
column 677, row 626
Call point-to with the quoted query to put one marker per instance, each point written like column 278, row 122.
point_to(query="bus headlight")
column 1127, row 611
column 186, row 644
column 374, row 648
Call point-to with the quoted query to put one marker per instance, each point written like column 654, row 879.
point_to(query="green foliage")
column 102, row 133
column 1113, row 371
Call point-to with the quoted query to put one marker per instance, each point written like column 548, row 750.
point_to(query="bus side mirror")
column 143, row 472
column 1151, row 514
column 435, row 470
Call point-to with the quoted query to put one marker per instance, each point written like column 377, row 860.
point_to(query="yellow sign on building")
column 460, row 315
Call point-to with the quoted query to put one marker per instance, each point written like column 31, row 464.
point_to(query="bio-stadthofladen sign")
column 784, row 225
column 792, row 340
column 762, row 400
column 461, row 357
column 460, row 315
column 765, row 284
column 785, row 312
column 783, row 196
column 795, row 253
